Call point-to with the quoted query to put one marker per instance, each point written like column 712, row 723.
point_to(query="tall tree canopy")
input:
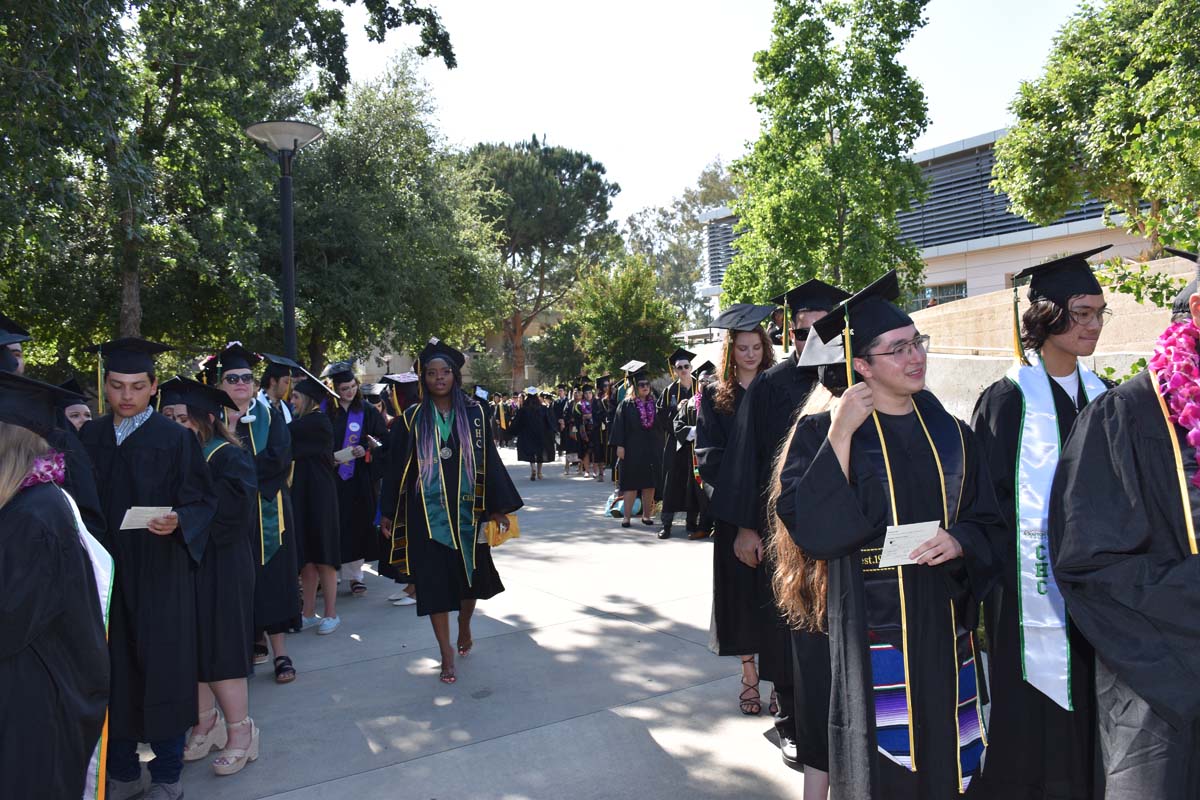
column 558, row 353
column 671, row 238
column 830, row 170
column 1114, row 116
column 550, row 209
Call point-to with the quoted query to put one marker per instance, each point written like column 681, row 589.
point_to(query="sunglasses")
column 643, row 383
column 683, row 365
column 234, row 380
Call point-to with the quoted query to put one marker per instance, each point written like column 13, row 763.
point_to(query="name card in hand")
column 901, row 540
column 138, row 517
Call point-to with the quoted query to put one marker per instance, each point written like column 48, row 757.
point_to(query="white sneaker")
column 309, row 622
column 397, row 596
column 328, row 625
column 405, row 600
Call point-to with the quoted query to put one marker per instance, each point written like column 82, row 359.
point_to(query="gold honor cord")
column 100, row 382
column 1179, row 473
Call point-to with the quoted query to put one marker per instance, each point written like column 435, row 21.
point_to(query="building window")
column 937, row 295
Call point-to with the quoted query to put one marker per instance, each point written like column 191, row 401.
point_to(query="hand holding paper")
column 140, row 517
column 902, row 541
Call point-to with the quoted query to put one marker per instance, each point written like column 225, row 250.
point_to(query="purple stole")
column 353, row 435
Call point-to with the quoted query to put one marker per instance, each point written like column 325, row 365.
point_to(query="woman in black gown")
column 315, row 503
column 639, row 441
column 534, row 428
column 737, row 618
column 443, row 443
column 224, row 586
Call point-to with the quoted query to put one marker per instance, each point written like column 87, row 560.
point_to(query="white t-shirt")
column 1069, row 384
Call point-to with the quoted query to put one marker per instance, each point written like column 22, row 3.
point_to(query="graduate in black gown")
column 315, row 501
column 699, row 524
column 441, row 444
column 904, row 717
column 602, row 410
column 676, row 461
column 357, row 426
column 1124, row 511
column 638, row 436
column 1042, row 725
column 224, row 585
column 534, row 427
column 265, row 436
column 54, row 669
column 75, row 407
column 143, row 459
column 760, row 426
column 738, row 619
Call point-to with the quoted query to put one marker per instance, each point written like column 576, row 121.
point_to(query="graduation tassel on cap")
column 100, row 381
column 1018, row 350
column 846, row 348
column 787, row 328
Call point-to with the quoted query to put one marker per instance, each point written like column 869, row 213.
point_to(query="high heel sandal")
column 750, row 704
column 200, row 745
column 773, row 705
column 235, row 758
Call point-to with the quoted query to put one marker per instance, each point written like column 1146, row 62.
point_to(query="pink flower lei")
column 50, row 468
column 1176, row 366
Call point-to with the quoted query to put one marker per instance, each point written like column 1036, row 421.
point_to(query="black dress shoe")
column 665, row 533
column 626, row 524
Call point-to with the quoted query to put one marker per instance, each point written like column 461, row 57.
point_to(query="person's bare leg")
column 647, row 504
column 278, row 644
column 816, row 784
column 465, row 642
column 328, row 577
column 233, row 696
column 308, row 590
column 441, row 630
column 204, row 704
column 627, row 508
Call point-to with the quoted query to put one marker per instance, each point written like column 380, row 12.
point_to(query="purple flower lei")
column 1175, row 366
column 646, row 410
column 50, row 468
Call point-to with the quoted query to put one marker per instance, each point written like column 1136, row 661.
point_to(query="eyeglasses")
column 1086, row 316
column 906, row 349
column 643, row 383
column 683, row 366
column 234, row 380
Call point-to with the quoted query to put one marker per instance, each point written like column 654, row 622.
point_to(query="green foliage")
column 622, row 315
column 557, row 353
column 489, row 371
column 1139, row 280
column 671, row 239
column 1114, row 116
column 831, row 169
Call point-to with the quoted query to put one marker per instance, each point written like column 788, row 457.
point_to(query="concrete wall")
column 972, row 340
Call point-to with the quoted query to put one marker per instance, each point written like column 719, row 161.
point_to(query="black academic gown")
column 695, row 501
column 1037, row 749
column 1125, row 561
column 642, row 466
column 276, row 596
column 314, row 490
column 833, row 519
column 534, row 426
column 80, row 480
column 598, row 435
column 358, row 497
column 438, row 571
column 54, row 670
column 152, row 619
column 225, row 580
column 677, row 464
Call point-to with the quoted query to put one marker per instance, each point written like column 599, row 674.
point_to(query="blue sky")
column 655, row 89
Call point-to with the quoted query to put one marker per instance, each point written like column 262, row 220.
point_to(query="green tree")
column 823, row 184
column 136, row 185
column 551, row 211
column 671, row 239
column 622, row 315
column 391, row 246
column 488, row 370
column 556, row 352
column 1115, row 117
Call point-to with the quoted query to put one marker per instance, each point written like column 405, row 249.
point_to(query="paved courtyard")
column 590, row 678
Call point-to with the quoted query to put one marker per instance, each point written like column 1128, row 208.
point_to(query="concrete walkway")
column 590, row 678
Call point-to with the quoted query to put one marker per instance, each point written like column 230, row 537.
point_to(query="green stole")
column 270, row 509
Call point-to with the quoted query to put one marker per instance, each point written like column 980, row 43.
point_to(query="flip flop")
column 448, row 676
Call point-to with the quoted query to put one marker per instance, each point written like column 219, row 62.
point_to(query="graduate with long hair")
column 440, row 447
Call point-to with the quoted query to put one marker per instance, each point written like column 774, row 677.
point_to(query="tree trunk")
column 316, row 353
column 514, row 329
column 126, row 245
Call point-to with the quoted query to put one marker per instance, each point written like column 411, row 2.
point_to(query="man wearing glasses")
column 1042, row 727
column 677, row 462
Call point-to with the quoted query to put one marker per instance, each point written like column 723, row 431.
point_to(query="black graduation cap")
column 314, row 388
column 603, row 380
column 11, row 332
column 871, row 312
column 374, row 389
column 280, row 367
column 1063, row 278
column 562, row 386
column 168, row 391
column 129, row 355
column 439, row 349
column 75, row 388
column 339, row 372
column 640, row 374
column 8, row 361
column 742, row 317
column 32, row 404
column 405, row 387
column 705, row 370
column 813, row 295
column 202, row 397
column 680, row 355
column 1180, row 304
column 234, row 356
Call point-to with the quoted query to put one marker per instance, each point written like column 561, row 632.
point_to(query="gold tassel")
column 100, row 381
column 1018, row 350
column 846, row 347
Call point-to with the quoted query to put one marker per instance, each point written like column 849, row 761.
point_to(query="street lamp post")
column 285, row 138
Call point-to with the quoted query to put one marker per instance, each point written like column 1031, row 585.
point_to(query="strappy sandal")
column 750, row 704
column 448, row 675
column 231, row 760
column 200, row 745
column 357, row 588
column 773, row 706
column 284, row 671
column 261, row 653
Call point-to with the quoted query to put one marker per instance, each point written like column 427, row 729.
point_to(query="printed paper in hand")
column 344, row 456
column 901, row 540
column 138, row 517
